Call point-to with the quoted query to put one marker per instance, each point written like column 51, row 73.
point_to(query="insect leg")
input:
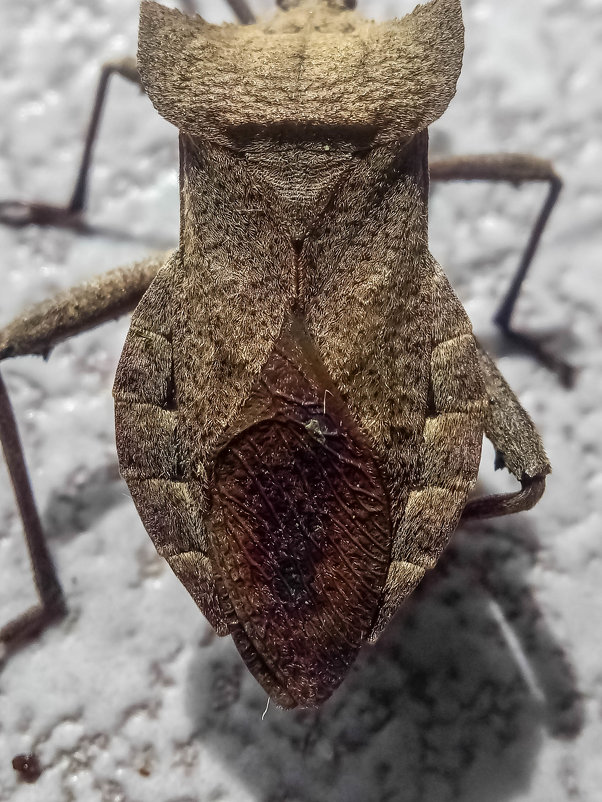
column 515, row 169
column 242, row 11
column 287, row 4
column 52, row 602
column 36, row 332
column 518, row 448
column 18, row 213
column 107, row 297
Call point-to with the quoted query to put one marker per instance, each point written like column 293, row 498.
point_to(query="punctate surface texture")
column 131, row 698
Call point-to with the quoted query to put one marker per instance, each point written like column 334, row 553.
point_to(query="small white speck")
column 267, row 704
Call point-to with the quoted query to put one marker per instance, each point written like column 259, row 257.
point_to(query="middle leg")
column 515, row 169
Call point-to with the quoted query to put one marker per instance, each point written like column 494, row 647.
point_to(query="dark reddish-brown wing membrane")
column 299, row 528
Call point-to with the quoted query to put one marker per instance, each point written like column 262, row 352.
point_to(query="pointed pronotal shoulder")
column 337, row 69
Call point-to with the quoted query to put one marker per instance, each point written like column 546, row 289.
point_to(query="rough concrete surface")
column 488, row 687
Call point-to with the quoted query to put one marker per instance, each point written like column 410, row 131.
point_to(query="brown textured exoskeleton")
column 300, row 403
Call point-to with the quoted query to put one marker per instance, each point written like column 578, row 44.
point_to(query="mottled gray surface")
column 130, row 698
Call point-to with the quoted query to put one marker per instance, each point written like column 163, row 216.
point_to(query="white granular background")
column 488, row 687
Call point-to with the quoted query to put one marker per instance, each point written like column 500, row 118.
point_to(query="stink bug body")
column 300, row 402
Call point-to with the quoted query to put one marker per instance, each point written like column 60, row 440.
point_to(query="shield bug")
column 300, row 402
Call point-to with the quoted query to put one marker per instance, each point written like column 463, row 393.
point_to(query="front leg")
column 19, row 213
column 37, row 332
